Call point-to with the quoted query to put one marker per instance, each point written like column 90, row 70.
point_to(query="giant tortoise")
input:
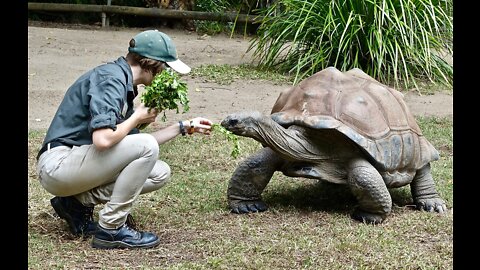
column 340, row 127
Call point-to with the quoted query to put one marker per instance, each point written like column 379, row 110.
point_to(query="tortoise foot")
column 368, row 218
column 431, row 205
column 244, row 207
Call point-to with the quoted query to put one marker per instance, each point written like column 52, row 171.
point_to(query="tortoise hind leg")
column 371, row 192
column 424, row 194
column 250, row 179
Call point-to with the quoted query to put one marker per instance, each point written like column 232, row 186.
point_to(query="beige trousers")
column 114, row 177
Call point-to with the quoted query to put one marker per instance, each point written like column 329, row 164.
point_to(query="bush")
column 397, row 41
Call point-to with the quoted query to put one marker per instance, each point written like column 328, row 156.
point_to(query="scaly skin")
column 250, row 179
column 369, row 188
column 254, row 173
column 424, row 194
column 335, row 158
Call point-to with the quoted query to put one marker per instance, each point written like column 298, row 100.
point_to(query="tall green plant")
column 395, row 41
column 212, row 27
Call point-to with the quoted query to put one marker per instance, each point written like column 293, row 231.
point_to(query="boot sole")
column 104, row 244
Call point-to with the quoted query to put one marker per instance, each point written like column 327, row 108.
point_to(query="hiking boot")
column 124, row 237
column 131, row 222
column 78, row 216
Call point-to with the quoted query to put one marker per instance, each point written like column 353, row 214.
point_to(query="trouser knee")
column 150, row 144
column 159, row 177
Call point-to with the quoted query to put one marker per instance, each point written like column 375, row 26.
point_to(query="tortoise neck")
column 289, row 142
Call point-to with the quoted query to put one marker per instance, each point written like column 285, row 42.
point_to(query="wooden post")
column 105, row 20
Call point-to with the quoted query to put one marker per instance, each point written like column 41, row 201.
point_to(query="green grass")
column 226, row 74
column 306, row 227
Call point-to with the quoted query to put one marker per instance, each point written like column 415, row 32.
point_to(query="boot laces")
column 130, row 222
column 87, row 215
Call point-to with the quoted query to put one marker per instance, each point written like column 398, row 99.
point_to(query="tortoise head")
column 245, row 123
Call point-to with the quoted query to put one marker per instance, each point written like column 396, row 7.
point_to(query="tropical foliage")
column 395, row 41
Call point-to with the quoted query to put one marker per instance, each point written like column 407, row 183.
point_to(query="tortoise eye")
column 232, row 122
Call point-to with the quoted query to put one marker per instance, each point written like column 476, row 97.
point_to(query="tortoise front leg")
column 424, row 194
column 250, row 179
column 366, row 183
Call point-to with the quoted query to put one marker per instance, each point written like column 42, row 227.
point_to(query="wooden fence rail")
column 149, row 12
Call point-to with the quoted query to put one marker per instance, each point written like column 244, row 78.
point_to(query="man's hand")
column 200, row 125
column 144, row 115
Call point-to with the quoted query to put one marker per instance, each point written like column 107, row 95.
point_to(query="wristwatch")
column 182, row 128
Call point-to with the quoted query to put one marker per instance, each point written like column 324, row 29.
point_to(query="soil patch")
column 58, row 54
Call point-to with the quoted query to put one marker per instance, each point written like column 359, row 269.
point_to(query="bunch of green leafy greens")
column 166, row 92
column 230, row 137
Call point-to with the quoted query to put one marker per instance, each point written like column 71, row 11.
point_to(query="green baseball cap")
column 158, row 46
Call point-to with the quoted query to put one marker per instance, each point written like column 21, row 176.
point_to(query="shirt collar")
column 122, row 62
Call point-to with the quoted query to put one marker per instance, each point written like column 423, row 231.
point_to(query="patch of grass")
column 306, row 227
column 430, row 88
column 226, row 74
column 213, row 28
column 439, row 131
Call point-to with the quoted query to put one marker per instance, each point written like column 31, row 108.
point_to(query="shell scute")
column 371, row 114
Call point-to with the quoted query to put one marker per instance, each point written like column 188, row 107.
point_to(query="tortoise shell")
column 371, row 114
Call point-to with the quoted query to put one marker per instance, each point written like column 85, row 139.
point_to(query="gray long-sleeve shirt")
column 100, row 98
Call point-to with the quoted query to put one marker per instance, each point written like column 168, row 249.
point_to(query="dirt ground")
column 58, row 54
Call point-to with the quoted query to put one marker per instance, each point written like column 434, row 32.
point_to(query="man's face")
column 153, row 74
column 149, row 78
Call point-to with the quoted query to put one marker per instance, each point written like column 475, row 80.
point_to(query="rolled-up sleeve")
column 106, row 101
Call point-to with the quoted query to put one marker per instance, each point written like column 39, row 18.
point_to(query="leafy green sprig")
column 166, row 92
column 230, row 137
